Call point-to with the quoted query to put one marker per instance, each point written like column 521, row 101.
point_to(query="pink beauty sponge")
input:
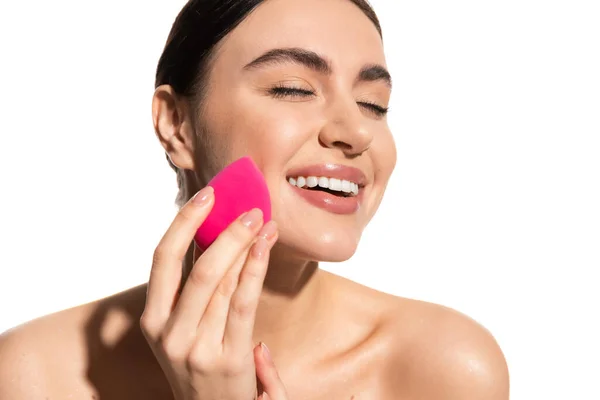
column 239, row 188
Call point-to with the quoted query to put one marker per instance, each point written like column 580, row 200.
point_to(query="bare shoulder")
column 36, row 355
column 20, row 365
column 62, row 355
column 441, row 353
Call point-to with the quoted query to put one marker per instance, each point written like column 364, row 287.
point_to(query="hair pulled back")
column 199, row 27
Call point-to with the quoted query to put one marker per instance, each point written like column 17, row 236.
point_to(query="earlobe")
column 173, row 126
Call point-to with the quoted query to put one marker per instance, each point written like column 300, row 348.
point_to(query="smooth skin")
column 202, row 337
column 329, row 337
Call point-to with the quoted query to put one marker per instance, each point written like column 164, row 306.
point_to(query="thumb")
column 267, row 374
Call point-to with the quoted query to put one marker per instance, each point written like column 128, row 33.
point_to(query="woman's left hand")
column 266, row 372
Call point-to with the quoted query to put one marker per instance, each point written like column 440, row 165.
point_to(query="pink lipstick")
column 331, row 187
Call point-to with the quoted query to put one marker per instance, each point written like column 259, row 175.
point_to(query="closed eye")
column 283, row 91
column 376, row 108
column 286, row 91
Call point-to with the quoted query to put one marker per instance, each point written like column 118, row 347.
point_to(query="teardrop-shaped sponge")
column 238, row 188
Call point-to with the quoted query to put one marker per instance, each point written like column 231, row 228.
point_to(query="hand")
column 202, row 338
column 273, row 388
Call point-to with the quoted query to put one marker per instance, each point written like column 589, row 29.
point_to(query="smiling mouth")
column 333, row 186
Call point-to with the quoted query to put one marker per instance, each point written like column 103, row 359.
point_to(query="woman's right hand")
column 203, row 337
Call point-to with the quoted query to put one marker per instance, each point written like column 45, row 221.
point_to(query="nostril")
column 342, row 145
column 337, row 144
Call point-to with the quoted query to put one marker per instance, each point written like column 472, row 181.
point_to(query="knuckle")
column 200, row 361
column 252, row 271
column 160, row 255
column 238, row 233
column 202, row 275
column 149, row 325
column 173, row 349
column 185, row 214
column 227, row 286
column 241, row 307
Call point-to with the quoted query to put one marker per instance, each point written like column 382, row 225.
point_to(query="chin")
column 324, row 246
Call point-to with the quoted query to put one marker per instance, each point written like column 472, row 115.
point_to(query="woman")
column 301, row 87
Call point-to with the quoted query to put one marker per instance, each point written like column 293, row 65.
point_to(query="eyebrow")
column 375, row 72
column 312, row 60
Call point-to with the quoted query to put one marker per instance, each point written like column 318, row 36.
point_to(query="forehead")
column 336, row 29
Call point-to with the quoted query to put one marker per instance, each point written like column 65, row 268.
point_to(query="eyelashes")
column 376, row 108
column 286, row 91
column 281, row 91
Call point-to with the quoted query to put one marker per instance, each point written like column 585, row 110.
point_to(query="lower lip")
column 329, row 202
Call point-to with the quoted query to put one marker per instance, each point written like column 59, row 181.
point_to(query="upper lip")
column 338, row 171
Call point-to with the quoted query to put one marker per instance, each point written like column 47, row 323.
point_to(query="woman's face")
column 300, row 87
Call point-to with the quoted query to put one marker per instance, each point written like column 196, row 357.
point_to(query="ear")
column 174, row 126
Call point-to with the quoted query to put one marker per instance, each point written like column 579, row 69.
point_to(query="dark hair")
column 198, row 28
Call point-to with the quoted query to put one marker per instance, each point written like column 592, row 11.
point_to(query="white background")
column 493, row 208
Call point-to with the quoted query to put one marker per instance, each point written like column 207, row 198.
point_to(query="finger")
column 263, row 396
column 268, row 375
column 208, row 271
column 242, row 310
column 165, row 274
column 212, row 324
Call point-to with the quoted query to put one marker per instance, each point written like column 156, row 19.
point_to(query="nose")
column 346, row 130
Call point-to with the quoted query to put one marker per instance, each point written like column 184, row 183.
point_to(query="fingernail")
column 269, row 230
column 266, row 352
column 252, row 218
column 203, row 196
column 260, row 248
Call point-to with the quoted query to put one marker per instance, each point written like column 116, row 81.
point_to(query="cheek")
column 384, row 156
column 271, row 133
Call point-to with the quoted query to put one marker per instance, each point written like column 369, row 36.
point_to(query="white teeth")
column 346, row 187
column 323, row 182
column 333, row 184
